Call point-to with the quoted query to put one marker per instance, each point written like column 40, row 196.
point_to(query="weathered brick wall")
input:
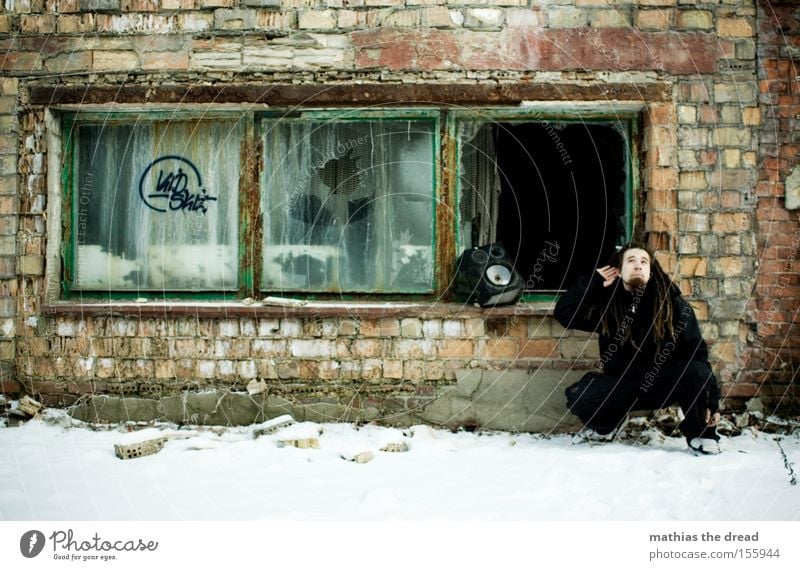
column 774, row 337
column 698, row 168
column 315, row 357
column 9, row 208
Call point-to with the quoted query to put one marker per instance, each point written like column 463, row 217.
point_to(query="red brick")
column 21, row 61
column 165, row 60
column 662, row 199
column 708, row 114
column 501, row 348
column 85, row 387
column 540, row 348
column 370, row 328
column 770, row 209
column 10, row 387
column 46, row 387
column 739, row 390
column 139, row 5
column 660, row 114
column 708, row 157
column 709, row 200
column 527, row 49
column 456, row 348
column 731, row 199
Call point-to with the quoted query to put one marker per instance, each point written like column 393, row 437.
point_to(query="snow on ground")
column 58, row 469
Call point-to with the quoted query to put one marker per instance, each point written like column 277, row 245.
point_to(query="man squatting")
column 652, row 352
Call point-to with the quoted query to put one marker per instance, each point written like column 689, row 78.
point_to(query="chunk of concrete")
column 514, row 400
column 363, row 457
column 395, row 447
column 302, row 443
column 140, row 449
column 274, row 425
column 212, row 408
column 113, row 409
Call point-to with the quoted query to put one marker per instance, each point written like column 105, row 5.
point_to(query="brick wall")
column 9, row 209
column 774, row 337
column 315, row 356
column 698, row 173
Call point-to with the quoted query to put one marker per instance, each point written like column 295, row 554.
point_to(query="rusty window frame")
column 445, row 248
column 625, row 114
column 249, row 191
column 360, row 114
column 70, row 118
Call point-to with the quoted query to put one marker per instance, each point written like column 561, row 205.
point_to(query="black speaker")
column 486, row 275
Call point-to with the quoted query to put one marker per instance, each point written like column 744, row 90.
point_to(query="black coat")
column 629, row 349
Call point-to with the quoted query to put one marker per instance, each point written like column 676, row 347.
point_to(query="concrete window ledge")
column 292, row 308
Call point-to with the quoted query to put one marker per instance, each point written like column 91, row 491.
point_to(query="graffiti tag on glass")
column 177, row 186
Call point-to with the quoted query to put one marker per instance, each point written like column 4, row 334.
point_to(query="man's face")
column 635, row 269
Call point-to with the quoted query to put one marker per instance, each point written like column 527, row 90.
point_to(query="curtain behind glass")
column 130, row 236
column 480, row 185
column 349, row 206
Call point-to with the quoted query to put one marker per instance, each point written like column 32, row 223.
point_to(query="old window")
column 201, row 203
column 555, row 192
column 154, row 203
column 348, row 203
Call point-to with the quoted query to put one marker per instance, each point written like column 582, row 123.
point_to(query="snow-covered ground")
column 58, row 469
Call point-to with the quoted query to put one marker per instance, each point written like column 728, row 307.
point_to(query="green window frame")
column 414, row 206
column 363, row 180
column 477, row 135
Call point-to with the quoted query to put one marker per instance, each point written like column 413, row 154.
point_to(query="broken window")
column 349, row 204
column 340, row 201
column 555, row 193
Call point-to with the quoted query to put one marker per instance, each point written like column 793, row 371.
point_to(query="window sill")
column 289, row 308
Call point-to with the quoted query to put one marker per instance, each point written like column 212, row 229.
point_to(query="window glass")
column 346, row 200
column 155, row 205
column 348, row 205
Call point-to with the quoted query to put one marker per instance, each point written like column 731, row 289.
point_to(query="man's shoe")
column 704, row 446
column 588, row 435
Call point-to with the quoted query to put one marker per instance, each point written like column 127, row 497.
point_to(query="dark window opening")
column 554, row 193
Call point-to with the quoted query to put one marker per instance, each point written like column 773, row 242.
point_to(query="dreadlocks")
column 660, row 286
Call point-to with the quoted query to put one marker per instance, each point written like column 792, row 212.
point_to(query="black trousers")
column 601, row 401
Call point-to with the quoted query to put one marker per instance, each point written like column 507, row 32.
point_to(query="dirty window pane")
column 155, row 206
column 348, row 205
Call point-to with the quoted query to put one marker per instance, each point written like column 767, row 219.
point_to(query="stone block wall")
column 360, row 366
column 703, row 178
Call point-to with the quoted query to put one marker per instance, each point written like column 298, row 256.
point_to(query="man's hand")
column 711, row 419
column 609, row 274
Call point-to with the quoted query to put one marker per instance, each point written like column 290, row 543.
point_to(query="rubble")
column 304, row 443
column 141, row 449
column 29, row 406
column 363, row 457
column 17, row 412
column 273, row 425
column 256, row 387
column 395, row 447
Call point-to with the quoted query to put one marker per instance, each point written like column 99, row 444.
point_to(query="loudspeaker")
column 486, row 275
